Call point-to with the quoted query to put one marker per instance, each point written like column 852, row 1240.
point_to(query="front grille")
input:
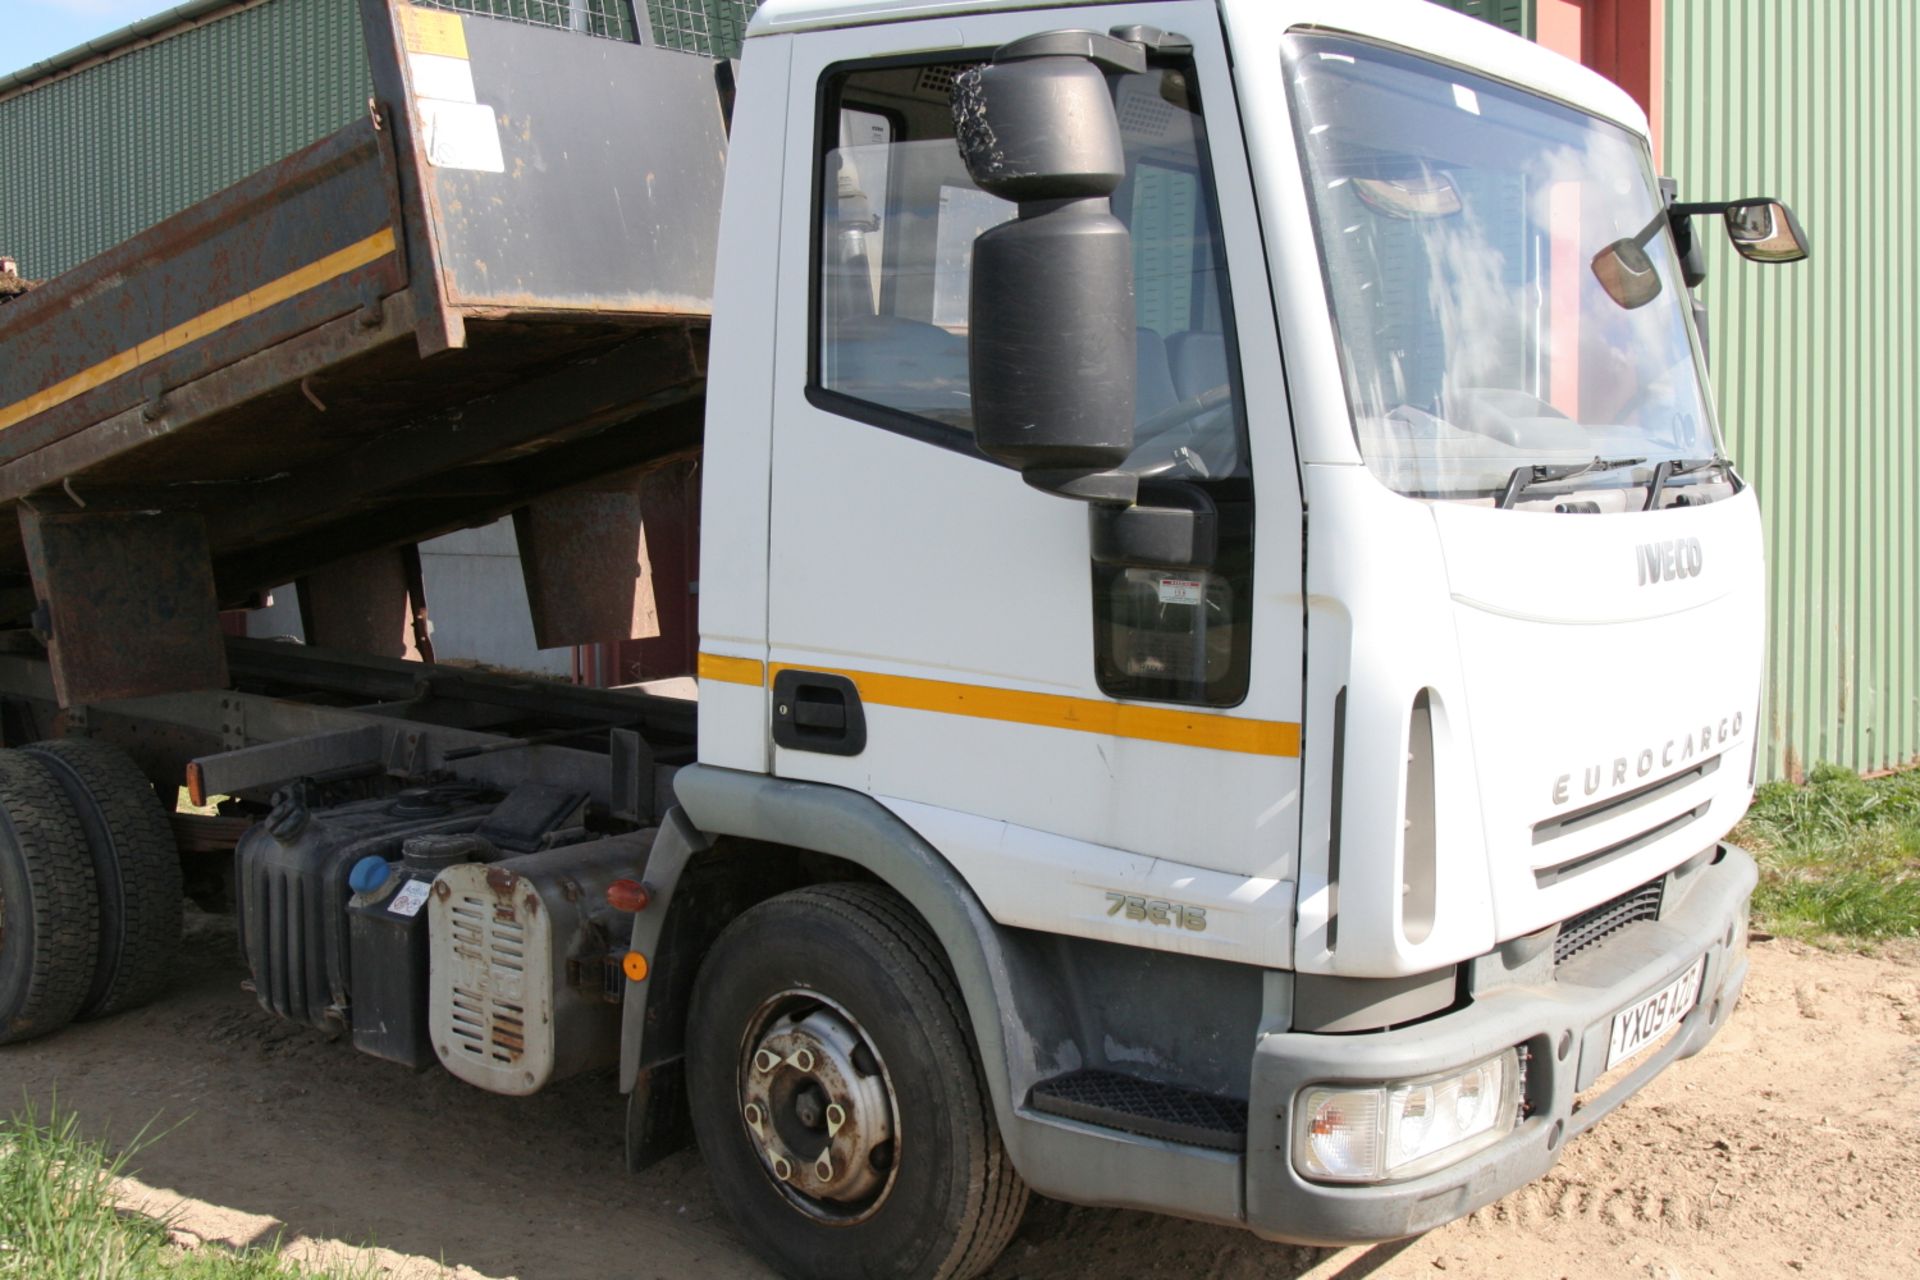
column 1567, row 824
column 1589, row 927
column 1581, row 819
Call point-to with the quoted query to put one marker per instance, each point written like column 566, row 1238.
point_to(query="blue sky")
column 34, row 30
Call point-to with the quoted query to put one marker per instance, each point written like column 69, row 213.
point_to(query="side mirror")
column 1766, row 231
column 1627, row 274
column 1050, row 316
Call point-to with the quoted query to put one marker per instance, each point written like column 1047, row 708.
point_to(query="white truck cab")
column 1335, row 698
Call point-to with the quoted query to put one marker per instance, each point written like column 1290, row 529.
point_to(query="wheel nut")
column 802, row 1059
column 824, row 1167
column 836, row 1116
column 753, row 1114
column 781, row 1169
column 765, row 1061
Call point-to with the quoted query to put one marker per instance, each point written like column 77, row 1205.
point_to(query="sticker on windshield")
column 1466, row 99
column 1180, row 591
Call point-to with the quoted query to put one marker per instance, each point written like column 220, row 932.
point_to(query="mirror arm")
column 1693, row 255
column 1653, row 226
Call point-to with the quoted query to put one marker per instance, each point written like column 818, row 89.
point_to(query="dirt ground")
column 1790, row 1147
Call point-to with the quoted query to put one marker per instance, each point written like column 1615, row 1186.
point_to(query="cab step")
column 1115, row 1100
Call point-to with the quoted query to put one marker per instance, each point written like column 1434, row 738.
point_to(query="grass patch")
column 1839, row 857
column 59, row 1221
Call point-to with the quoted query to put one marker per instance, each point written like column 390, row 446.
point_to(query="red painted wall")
column 1621, row 39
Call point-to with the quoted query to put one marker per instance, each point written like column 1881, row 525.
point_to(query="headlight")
column 1397, row 1130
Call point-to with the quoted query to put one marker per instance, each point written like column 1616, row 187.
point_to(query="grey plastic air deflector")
column 1059, row 1158
column 1329, row 1004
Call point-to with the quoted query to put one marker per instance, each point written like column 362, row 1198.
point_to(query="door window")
column 898, row 219
column 898, row 216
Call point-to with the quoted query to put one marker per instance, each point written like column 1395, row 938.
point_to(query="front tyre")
column 837, row 1095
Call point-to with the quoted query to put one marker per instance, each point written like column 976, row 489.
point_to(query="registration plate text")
column 1639, row 1025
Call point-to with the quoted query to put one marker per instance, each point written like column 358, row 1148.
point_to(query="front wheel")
column 837, row 1095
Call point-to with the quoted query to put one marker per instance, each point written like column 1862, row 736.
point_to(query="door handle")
column 813, row 711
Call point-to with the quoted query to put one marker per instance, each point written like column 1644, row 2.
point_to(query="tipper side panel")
column 495, row 286
column 307, row 240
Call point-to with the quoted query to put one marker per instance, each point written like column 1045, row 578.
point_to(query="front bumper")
column 1563, row 1025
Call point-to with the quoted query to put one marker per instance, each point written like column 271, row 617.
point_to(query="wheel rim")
column 819, row 1108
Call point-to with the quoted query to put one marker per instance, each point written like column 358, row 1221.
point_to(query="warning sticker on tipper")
column 1180, row 591
column 430, row 32
column 461, row 135
column 412, row 897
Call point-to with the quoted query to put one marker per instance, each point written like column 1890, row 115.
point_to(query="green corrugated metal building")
column 1815, row 367
column 97, row 153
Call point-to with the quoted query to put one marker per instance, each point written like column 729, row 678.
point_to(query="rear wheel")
column 838, row 1097
column 49, row 911
column 136, row 867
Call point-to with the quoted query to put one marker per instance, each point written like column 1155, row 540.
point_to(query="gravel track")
column 1790, row 1147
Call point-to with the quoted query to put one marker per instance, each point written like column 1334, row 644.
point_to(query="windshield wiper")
column 1524, row 478
column 1671, row 467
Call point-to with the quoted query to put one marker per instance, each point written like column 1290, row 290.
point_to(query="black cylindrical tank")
column 290, row 877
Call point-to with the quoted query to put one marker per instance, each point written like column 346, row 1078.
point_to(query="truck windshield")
column 1457, row 219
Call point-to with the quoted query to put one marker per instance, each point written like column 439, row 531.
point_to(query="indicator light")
column 628, row 895
column 1397, row 1129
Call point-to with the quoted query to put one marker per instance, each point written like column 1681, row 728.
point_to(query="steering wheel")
column 1181, row 414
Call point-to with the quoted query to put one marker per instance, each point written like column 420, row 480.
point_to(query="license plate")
column 1640, row 1024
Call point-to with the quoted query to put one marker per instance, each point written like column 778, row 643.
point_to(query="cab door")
column 1111, row 752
